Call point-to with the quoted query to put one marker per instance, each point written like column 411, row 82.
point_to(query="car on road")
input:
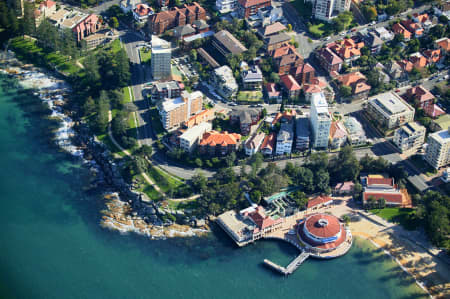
column 327, row 38
column 233, row 104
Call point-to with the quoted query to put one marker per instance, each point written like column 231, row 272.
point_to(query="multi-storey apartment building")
column 224, row 81
column 302, row 133
column 320, row 120
column 224, row 6
column 174, row 112
column 438, row 149
column 191, row 137
column 389, row 110
column 409, row 137
column 162, row 90
column 247, row 8
column 285, row 138
column 161, row 56
column 328, row 9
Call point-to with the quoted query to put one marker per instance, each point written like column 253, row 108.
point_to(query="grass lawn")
column 303, row 9
column 403, row 216
column 146, row 55
column 422, row 165
column 156, row 122
column 163, row 180
column 27, row 50
column 110, row 145
column 127, row 95
column 176, row 71
column 250, row 96
column 317, row 30
column 116, row 46
column 182, row 205
column 148, row 190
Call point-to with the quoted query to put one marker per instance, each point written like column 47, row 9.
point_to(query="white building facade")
column 190, row 138
column 224, row 6
column 161, row 56
column 320, row 121
column 409, row 137
column 438, row 149
column 326, row 10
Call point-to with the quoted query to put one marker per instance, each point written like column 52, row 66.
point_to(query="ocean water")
column 52, row 246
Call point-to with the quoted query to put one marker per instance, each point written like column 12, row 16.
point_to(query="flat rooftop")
column 391, row 103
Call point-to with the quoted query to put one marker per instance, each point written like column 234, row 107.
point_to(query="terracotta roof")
column 351, row 78
column 389, row 197
column 347, row 48
column 319, row 200
column 261, row 220
column 214, row 138
column 444, row 43
column 269, row 141
column 290, row 83
column 421, row 18
column 418, row 60
column 143, row 9
column 398, row 28
column 271, row 90
column 249, row 3
column 420, row 94
column 337, row 130
column 303, row 69
column 273, row 28
column 380, row 181
column 433, row 110
column 47, row 4
column 287, row 114
column 311, row 88
column 412, row 27
column 281, row 51
column 361, row 87
column 329, row 56
column 345, row 186
column 433, row 55
column 406, row 65
column 330, row 230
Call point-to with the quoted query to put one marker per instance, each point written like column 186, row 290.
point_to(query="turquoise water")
column 52, row 246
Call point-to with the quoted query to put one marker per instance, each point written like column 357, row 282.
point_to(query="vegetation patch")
column 404, row 216
column 156, row 122
column 303, row 9
column 146, row 55
column 422, row 165
column 249, row 97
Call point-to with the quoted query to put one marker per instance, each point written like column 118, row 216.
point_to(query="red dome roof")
column 323, row 225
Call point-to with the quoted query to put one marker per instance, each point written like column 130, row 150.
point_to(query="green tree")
column 345, row 91
column 274, row 77
column 114, row 23
column 256, row 196
column 343, row 21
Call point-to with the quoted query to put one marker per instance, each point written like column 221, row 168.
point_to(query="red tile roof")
column 337, row 130
column 420, row 94
column 351, row 78
column 433, row 55
column 271, row 90
column 214, row 138
column 418, row 60
column 290, row 83
column 380, row 181
column 249, row 3
column 303, row 69
column 398, row 28
column 406, row 65
column 261, row 220
column 396, row 198
column 269, row 142
column 433, row 110
column 444, row 43
column 319, row 200
column 329, row 56
column 330, row 230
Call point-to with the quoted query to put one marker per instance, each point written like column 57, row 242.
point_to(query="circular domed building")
column 323, row 233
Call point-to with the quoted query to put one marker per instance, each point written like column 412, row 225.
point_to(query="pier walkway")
column 291, row 267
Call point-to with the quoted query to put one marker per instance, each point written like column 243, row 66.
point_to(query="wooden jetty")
column 291, row 267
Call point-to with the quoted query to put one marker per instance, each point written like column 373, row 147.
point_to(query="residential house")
column 271, row 29
column 423, row 20
column 286, row 116
column 224, row 42
column 432, row 55
column 86, row 26
column 285, row 139
column 377, row 188
column 356, row 134
column 433, row 111
column 160, row 22
column 191, row 137
column 246, row 119
column 216, row 143
column 415, row 28
column 338, row 135
column 253, row 145
column 443, row 44
column 348, row 49
column 406, row 65
column 247, row 8
column 437, row 153
column 224, row 81
column 277, row 41
column 268, row 145
column 315, row 86
column 372, row 41
column 176, row 111
column 398, row 28
column 163, row 90
column 302, row 133
column 272, row 92
column 357, row 82
column 328, row 60
column 395, row 71
column 383, row 33
column 141, row 12
column 291, row 87
column 304, row 73
column 409, row 137
column 285, row 58
column 389, row 110
column 252, row 78
column 418, row 60
column 419, row 96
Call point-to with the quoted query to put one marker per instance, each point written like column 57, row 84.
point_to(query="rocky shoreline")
column 125, row 211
